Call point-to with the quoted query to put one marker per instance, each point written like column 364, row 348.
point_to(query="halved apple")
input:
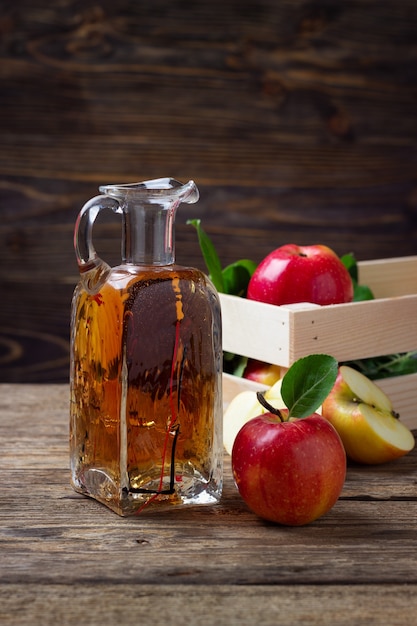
column 364, row 417
column 244, row 407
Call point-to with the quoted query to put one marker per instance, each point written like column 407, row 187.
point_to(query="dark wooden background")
column 297, row 120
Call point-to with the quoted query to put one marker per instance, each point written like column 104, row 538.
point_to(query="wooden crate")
column 386, row 325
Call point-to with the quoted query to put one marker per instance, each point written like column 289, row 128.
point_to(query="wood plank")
column 222, row 605
column 297, row 120
column 227, row 545
column 357, row 330
column 390, row 277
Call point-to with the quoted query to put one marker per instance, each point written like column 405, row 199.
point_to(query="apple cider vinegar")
column 146, row 402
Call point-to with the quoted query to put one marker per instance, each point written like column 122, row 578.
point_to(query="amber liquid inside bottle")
column 146, row 389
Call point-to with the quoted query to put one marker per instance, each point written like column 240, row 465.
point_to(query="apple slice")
column 365, row 389
column 365, row 420
column 388, row 429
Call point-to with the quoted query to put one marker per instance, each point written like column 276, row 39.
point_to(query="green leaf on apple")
column 307, row 383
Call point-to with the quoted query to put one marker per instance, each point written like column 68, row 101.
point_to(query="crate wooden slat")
column 283, row 334
column 390, row 277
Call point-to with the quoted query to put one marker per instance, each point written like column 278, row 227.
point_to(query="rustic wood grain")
column 67, row 559
column 200, row 605
column 297, row 120
column 368, row 537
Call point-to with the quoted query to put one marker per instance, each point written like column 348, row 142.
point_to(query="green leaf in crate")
column 351, row 265
column 360, row 292
column 210, row 256
column 236, row 277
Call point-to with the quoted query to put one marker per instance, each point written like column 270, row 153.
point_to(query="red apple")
column 294, row 273
column 289, row 472
column 263, row 373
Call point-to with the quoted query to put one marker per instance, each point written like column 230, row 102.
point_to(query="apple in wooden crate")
column 263, row 373
column 365, row 419
column 294, row 273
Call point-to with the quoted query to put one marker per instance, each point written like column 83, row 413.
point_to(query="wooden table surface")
column 67, row 560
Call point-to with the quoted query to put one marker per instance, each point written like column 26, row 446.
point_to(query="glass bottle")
column 146, row 361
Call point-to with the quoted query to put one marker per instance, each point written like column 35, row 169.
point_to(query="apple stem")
column 267, row 406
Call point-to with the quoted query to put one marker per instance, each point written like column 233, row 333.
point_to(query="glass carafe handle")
column 93, row 270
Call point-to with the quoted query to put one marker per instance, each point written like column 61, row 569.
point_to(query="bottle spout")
column 189, row 192
column 155, row 190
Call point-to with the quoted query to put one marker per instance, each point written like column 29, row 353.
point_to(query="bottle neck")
column 148, row 234
column 148, row 210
